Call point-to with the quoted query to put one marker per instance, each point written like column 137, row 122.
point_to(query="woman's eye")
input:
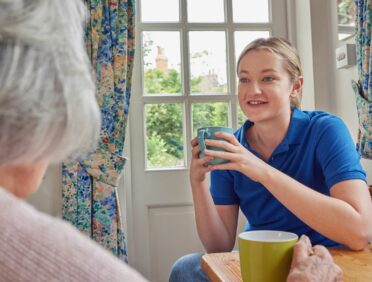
column 243, row 80
column 268, row 78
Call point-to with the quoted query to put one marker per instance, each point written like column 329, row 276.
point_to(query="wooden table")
column 356, row 266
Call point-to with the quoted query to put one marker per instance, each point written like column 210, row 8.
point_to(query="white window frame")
column 186, row 99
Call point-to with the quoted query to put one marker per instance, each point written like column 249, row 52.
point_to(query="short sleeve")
column 336, row 152
column 222, row 188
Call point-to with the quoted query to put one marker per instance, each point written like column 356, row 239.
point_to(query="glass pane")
column 243, row 38
column 346, row 10
column 251, row 11
column 161, row 62
column 241, row 117
column 164, row 135
column 151, row 11
column 196, row 11
column 209, row 114
column 208, row 62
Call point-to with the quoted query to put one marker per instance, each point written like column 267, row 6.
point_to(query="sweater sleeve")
column 37, row 247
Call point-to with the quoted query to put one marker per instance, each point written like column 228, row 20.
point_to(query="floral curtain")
column 363, row 88
column 90, row 198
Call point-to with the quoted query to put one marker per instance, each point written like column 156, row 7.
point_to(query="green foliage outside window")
column 164, row 134
column 209, row 114
column 164, row 129
column 157, row 82
column 241, row 117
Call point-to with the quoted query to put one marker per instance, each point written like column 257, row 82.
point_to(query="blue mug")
column 208, row 133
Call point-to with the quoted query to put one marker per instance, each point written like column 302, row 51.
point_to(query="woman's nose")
column 255, row 88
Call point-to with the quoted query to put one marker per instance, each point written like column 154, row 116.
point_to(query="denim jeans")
column 188, row 269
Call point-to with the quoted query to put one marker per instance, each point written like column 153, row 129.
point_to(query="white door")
column 184, row 78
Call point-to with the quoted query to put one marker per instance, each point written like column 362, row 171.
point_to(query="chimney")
column 161, row 60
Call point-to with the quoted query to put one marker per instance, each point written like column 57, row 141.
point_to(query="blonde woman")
column 289, row 169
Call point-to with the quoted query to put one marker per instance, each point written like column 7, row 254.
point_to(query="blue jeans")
column 187, row 269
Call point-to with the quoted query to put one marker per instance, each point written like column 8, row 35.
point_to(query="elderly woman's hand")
column 313, row 264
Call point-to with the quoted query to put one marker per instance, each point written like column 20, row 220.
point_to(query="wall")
column 302, row 38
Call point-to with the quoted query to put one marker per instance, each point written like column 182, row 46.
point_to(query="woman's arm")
column 343, row 217
column 216, row 225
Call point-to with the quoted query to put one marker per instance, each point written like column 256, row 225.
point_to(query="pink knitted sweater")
column 37, row 247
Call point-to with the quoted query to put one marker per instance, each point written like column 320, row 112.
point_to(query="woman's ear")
column 297, row 86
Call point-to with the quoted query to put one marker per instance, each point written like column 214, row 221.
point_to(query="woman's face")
column 264, row 87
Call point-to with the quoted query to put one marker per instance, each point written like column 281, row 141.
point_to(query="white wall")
column 303, row 40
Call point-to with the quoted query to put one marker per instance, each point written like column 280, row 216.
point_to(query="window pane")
column 209, row 114
column 241, row 117
column 161, row 62
column 164, row 135
column 196, row 11
column 152, row 11
column 208, row 62
column 251, row 11
column 243, row 38
column 346, row 10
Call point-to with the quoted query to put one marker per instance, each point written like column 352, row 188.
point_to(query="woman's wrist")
column 198, row 184
column 263, row 173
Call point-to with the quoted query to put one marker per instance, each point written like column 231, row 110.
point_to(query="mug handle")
column 201, row 137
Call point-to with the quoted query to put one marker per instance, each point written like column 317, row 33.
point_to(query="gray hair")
column 48, row 109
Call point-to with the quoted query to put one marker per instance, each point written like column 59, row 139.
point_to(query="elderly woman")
column 48, row 112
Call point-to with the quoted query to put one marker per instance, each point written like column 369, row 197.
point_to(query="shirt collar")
column 295, row 134
column 297, row 126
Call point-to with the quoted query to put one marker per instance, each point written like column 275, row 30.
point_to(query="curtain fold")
column 363, row 88
column 90, row 196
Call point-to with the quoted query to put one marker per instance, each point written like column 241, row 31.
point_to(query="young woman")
column 289, row 169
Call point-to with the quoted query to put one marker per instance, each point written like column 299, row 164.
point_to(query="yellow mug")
column 266, row 255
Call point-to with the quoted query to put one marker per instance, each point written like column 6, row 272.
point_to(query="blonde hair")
column 285, row 50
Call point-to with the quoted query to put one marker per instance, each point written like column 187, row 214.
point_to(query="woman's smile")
column 256, row 103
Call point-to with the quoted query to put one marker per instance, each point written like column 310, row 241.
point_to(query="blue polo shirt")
column 317, row 151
